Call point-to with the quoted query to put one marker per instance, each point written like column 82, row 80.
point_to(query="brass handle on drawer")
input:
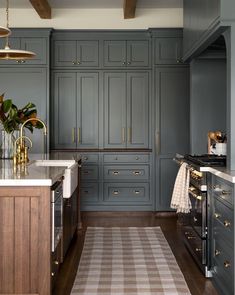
column 79, row 135
column 216, row 186
column 217, row 252
column 136, row 172
column 73, row 135
column 56, row 262
column 129, row 135
column 52, row 274
column 217, row 215
column 115, row 193
column 194, row 195
column 187, row 233
column 198, row 249
column 227, row 264
column 137, row 192
column 227, row 223
column 191, row 237
column 158, row 143
column 137, row 158
column 224, row 193
column 116, row 172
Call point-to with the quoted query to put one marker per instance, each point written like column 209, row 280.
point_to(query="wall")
column 207, row 101
column 95, row 18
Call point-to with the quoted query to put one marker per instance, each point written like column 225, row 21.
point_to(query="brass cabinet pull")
column 191, row 238
column 56, row 262
column 198, row 249
column 194, row 219
column 115, row 193
column 52, row 274
column 225, row 193
column 79, row 135
column 217, row 215
column 22, row 61
column 158, row 149
column 129, row 63
column 18, row 61
column 137, row 192
column 227, row 264
column 73, row 135
column 86, row 172
column 129, row 134
column 136, row 173
column 217, row 252
column 227, row 223
column 123, row 134
column 116, row 172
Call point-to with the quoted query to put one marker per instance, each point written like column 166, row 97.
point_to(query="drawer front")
column 223, row 221
column 126, row 158
column 89, row 192
column 126, row 172
column 223, row 190
column 89, row 158
column 126, row 193
column 89, row 172
column 223, row 264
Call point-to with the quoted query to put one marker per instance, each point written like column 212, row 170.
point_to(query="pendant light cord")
column 7, row 19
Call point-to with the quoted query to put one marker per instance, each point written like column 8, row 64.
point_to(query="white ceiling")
column 96, row 4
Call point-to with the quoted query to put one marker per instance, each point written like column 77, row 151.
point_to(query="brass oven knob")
column 217, row 215
column 227, row 264
column 227, row 223
column 56, row 262
column 52, row 274
column 198, row 249
column 217, row 252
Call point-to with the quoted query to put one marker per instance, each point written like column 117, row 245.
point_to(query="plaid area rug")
column 133, row 261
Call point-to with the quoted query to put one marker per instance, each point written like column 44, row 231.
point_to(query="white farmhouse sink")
column 70, row 181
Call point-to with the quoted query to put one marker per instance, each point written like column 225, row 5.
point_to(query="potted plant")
column 11, row 118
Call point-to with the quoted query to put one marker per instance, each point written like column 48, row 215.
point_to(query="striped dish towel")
column 180, row 197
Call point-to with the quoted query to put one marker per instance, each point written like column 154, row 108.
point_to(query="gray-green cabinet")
column 172, row 127
column 168, row 50
column 221, row 200
column 122, row 53
column 38, row 45
column 76, row 53
column 75, row 110
column 126, row 107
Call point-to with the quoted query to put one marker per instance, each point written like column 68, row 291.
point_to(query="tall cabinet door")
column 64, row 111
column 87, row 110
column 115, row 110
column 137, row 110
column 172, row 127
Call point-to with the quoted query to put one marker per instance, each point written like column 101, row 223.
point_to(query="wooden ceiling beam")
column 42, row 7
column 129, row 7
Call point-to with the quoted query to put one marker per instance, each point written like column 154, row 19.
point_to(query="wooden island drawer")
column 126, row 193
column 126, row 172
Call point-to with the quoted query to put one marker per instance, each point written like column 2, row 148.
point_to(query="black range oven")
column 195, row 224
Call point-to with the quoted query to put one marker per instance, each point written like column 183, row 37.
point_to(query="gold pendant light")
column 15, row 54
column 4, row 32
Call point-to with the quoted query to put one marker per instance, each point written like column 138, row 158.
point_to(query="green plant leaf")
column 29, row 106
column 7, row 104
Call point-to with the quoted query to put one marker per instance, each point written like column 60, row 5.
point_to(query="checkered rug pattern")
column 133, row 261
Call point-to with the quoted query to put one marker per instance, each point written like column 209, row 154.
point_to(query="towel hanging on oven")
column 180, row 197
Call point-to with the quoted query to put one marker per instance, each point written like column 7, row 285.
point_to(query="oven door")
column 198, row 215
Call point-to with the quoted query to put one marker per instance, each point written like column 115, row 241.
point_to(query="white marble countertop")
column 222, row 172
column 31, row 174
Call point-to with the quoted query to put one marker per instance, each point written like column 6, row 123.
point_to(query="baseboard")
column 116, row 213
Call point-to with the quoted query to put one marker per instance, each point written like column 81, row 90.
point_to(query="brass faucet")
column 21, row 151
column 32, row 119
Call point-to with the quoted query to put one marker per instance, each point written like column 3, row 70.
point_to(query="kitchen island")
column 26, row 228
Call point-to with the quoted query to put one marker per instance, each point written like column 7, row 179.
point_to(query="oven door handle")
column 196, row 196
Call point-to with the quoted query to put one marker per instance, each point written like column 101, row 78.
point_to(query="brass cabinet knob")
column 56, row 262
column 129, row 63
column 18, row 61
column 227, row 223
column 78, row 62
column 22, row 61
column 227, row 264
column 217, row 252
column 194, row 219
column 52, row 274
column 224, row 193
column 137, row 192
column 198, row 249
column 124, row 63
column 137, row 158
column 217, row 215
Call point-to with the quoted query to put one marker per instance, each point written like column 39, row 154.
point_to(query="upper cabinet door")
column 168, row 50
column 138, row 53
column 87, row 110
column 137, row 110
column 64, row 110
column 115, row 53
column 172, row 93
column 87, row 53
column 115, row 110
column 65, row 54
column 39, row 47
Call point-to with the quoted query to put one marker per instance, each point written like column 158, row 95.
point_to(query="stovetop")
column 207, row 160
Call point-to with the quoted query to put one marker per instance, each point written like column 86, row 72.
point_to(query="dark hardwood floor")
column 197, row 283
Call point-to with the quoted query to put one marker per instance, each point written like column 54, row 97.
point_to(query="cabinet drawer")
column 223, row 264
column 90, row 158
column 126, row 172
column 89, row 172
column 126, row 193
column 126, row 158
column 89, row 192
column 223, row 190
column 223, row 221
